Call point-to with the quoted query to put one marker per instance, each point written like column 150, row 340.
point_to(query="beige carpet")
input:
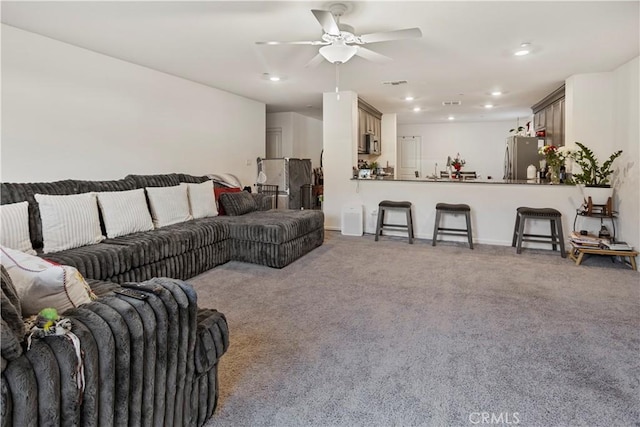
column 364, row 333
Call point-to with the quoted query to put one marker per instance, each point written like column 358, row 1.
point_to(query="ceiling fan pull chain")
column 337, row 82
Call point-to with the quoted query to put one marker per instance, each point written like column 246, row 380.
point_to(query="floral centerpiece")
column 555, row 158
column 457, row 162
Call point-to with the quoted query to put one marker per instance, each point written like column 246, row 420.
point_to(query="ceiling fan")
column 340, row 42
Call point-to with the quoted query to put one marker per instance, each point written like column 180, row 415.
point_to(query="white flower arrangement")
column 556, row 156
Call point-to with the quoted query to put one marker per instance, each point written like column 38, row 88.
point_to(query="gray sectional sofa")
column 273, row 238
column 146, row 362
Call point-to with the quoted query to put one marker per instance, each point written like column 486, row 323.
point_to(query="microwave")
column 371, row 144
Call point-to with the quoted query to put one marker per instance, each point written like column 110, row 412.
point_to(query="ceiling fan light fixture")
column 338, row 52
column 525, row 49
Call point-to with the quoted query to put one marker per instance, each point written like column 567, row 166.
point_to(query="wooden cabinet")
column 557, row 125
column 539, row 120
column 548, row 116
column 362, row 144
column 369, row 123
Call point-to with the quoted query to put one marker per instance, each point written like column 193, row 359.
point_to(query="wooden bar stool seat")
column 452, row 209
column 554, row 217
column 385, row 205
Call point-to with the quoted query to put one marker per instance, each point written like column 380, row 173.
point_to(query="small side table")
column 577, row 254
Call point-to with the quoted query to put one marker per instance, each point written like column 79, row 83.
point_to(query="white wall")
column 388, row 140
column 340, row 128
column 626, row 136
column 602, row 113
column 589, row 111
column 71, row 113
column 481, row 144
column 301, row 135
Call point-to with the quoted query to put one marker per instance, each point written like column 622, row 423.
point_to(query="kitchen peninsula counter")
column 493, row 205
column 463, row 181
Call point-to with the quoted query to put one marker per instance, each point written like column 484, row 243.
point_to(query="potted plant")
column 374, row 168
column 593, row 175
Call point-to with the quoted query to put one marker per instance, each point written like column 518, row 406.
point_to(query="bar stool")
column 554, row 216
column 385, row 205
column 453, row 209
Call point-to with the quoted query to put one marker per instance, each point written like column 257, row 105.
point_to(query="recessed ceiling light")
column 488, row 105
column 451, row 118
column 408, row 98
column 416, row 109
column 272, row 77
column 496, row 93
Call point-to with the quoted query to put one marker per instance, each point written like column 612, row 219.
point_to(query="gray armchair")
column 143, row 362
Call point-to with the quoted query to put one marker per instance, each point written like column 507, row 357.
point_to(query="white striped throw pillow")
column 15, row 227
column 41, row 284
column 169, row 205
column 201, row 200
column 124, row 212
column 69, row 221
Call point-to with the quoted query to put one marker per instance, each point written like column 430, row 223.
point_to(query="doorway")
column 274, row 143
column 409, row 157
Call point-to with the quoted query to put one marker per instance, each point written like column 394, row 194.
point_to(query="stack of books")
column 587, row 240
column 591, row 241
column 619, row 246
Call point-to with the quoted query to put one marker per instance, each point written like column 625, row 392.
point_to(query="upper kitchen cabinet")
column 369, row 123
column 548, row 117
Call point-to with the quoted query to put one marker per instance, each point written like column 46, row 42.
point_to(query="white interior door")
column 409, row 155
column 274, row 143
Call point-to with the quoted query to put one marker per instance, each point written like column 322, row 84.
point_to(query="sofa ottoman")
column 275, row 238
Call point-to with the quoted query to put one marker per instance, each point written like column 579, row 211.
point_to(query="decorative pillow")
column 238, row 203
column 41, row 284
column 15, row 227
column 124, row 212
column 69, row 221
column 169, row 205
column 201, row 200
column 218, row 191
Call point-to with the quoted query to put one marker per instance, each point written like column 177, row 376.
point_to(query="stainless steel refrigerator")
column 520, row 152
column 289, row 175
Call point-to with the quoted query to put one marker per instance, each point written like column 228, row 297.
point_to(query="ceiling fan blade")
column 315, row 61
column 371, row 55
column 313, row 43
column 407, row 33
column 327, row 21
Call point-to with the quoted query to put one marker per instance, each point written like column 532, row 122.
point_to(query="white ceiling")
column 464, row 54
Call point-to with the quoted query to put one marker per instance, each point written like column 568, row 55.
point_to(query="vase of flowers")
column 457, row 163
column 554, row 157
